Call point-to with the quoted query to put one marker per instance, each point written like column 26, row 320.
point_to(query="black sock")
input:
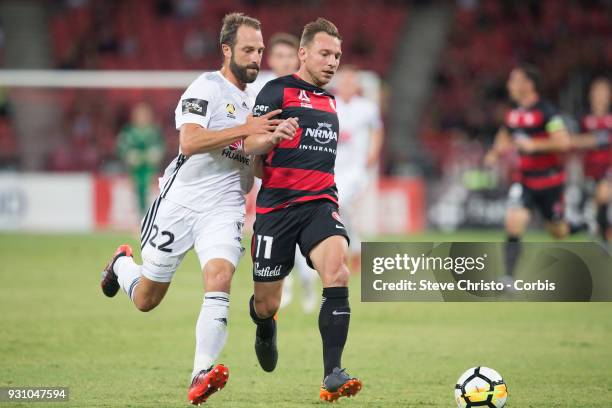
column 265, row 327
column 334, row 319
column 602, row 221
column 513, row 251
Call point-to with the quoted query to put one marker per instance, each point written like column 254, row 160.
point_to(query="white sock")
column 128, row 274
column 211, row 330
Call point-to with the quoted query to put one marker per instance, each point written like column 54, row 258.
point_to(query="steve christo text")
column 457, row 265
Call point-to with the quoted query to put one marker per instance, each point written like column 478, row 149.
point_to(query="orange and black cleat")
column 109, row 282
column 339, row 384
column 206, row 383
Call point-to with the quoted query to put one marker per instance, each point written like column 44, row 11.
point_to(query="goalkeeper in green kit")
column 141, row 148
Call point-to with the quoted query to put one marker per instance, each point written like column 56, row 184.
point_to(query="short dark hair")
column 231, row 23
column 320, row 25
column 533, row 74
column 285, row 39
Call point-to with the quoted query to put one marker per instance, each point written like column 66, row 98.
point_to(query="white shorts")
column 169, row 230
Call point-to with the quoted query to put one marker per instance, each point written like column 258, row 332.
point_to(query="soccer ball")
column 481, row 387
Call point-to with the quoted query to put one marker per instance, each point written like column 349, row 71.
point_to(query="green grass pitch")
column 57, row 329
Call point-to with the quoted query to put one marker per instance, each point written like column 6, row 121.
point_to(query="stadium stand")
column 9, row 155
column 469, row 98
column 182, row 35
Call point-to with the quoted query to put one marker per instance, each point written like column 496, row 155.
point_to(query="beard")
column 242, row 73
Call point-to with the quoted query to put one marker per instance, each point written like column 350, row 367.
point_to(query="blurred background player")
column 282, row 58
column 140, row 146
column 282, row 51
column 359, row 145
column 596, row 144
column 538, row 133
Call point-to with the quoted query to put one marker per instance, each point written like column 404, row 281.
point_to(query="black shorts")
column 275, row 235
column 548, row 201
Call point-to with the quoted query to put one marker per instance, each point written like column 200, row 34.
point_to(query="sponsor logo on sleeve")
column 259, row 110
column 195, row 106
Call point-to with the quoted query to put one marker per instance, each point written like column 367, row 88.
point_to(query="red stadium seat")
column 158, row 43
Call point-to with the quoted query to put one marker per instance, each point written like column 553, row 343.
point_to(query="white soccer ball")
column 481, row 387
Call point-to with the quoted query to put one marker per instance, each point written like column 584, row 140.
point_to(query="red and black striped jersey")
column 542, row 169
column 598, row 160
column 302, row 169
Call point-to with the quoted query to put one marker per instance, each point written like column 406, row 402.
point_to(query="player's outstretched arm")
column 262, row 143
column 598, row 138
column 195, row 139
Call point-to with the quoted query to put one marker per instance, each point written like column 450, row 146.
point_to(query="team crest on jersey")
column 304, row 99
column 336, row 217
column 231, row 110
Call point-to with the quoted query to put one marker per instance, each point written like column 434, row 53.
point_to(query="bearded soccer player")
column 534, row 128
column 201, row 204
column 298, row 204
column 596, row 142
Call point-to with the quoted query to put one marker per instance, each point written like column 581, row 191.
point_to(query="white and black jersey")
column 220, row 177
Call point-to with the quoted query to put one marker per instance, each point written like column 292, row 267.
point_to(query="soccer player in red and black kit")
column 539, row 134
column 298, row 203
column 596, row 141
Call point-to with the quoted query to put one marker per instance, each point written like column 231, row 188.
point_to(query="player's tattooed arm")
column 502, row 143
column 195, row 139
column 262, row 143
